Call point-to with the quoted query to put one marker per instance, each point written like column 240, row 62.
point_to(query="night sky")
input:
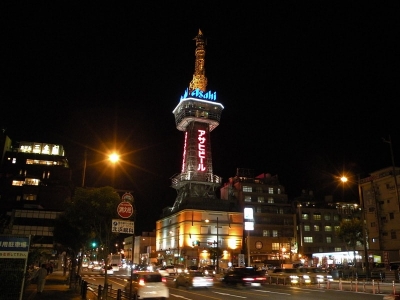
column 310, row 88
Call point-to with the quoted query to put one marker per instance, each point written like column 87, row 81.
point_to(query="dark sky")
column 310, row 88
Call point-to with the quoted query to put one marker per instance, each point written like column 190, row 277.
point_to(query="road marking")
column 226, row 294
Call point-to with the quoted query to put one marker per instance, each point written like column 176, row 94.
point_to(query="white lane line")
column 179, row 296
column 226, row 294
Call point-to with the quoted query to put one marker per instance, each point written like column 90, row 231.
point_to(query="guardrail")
column 104, row 293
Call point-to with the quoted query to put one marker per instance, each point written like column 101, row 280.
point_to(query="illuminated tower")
column 197, row 114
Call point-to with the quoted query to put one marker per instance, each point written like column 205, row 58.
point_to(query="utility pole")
column 394, row 169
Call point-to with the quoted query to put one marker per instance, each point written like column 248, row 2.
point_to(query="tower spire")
column 199, row 80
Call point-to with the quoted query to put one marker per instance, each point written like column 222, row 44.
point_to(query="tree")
column 87, row 215
column 351, row 233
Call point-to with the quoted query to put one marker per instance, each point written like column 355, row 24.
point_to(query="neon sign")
column 200, row 94
column 184, row 154
column 202, row 149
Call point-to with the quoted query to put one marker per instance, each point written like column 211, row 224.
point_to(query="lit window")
column 31, row 181
column 275, row 233
column 329, row 239
column 338, row 249
column 279, row 190
column 29, row 197
column 308, row 239
column 328, row 228
column 14, row 160
column 275, row 246
column 265, row 232
column 316, row 227
column 260, row 199
column 17, row 182
column 327, row 217
column 270, row 190
column 337, row 228
column 247, row 198
column 304, row 216
column 317, row 217
column 306, row 227
column 270, row 200
column 247, row 188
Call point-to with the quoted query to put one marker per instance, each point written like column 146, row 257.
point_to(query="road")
column 270, row 291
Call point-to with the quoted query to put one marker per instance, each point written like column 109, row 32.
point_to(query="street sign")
column 122, row 226
column 127, row 197
column 125, row 210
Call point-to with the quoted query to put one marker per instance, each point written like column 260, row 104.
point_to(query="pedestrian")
column 40, row 277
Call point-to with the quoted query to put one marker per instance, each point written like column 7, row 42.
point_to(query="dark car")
column 194, row 279
column 244, row 277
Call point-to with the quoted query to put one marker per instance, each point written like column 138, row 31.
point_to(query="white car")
column 167, row 271
column 146, row 284
column 110, row 270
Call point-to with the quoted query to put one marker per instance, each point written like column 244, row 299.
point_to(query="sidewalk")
column 56, row 287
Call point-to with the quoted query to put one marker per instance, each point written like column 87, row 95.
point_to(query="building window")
column 316, row 227
column 393, row 235
column 329, row 239
column 29, row 197
column 275, row 246
column 270, row 200
column 337, row 228
column 279, row 190
column 317, row 217
column 265, row 232
column 306, row 227
column 270, row 190
column 259, row 209
column 328, row 228
column 31, row 181
column 327, row 217
column 17, row 182
column 247, row 188
column 304, row 216
column 259, row 189
column 260, row 199
column 247, row 198
column 308, row 239
column 336, row 217
column 275, row 233
column 391, row 216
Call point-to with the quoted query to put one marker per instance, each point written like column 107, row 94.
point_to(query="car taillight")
column 261, row 278
column 248, row 279
column 164, row 280
column 141, row 282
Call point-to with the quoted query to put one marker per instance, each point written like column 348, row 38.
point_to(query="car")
column 115, row 267
column 145, row 284
column 167, row 270
column 287, row 276
column 316, row 275
column 378, row 271
column 244, row 277
column 194, row 279
column 110, row 270
column 96, row 268
column 209, row 270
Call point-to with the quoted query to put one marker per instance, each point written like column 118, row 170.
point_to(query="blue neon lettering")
column 200, row 95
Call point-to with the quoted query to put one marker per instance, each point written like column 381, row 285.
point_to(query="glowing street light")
column 113, row 157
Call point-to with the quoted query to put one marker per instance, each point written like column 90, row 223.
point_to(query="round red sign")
column 125, row 210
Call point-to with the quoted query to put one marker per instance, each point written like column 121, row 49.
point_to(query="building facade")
column 379, row 197
column 273, row 238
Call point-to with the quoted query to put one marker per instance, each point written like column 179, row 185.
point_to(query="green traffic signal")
column 94, row 244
